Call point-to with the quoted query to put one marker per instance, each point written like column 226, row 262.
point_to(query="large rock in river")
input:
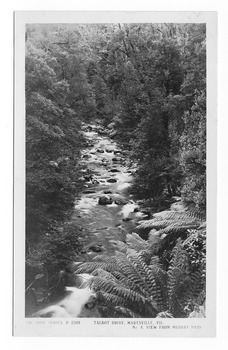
column 114, row 170
column 104, row 200
column 112, row 180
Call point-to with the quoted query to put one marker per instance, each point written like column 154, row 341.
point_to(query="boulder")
column 121, row 201
column 114, row 170
column 104, row 200
column 112, row 180
column 85, row 156
column 97, row 248
column 99, row 150
column 107, row 192
column 116, row 159
column 88, row 177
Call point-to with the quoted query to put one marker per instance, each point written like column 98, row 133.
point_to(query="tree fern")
column 135, row 282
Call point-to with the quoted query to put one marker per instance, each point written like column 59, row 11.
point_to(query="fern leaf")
column 135, row 242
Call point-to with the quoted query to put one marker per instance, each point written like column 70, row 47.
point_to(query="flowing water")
column 107, row 172
column 103, row 224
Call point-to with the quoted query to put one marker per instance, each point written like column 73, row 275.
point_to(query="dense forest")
column 143, row 86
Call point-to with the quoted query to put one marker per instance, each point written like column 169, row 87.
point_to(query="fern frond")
column 89, row 267
column 129, row 269
column 154, row 241
column 140, row 266
column 183, row 215
column 197, row 283
column 179, row 281
column 135, row 242
column 172, row 215
column 110, row 298
column 178, row 228
column 120, row 246
column 132, row 298
column 126, row 312
column 125, row 281
column 104, row 274
column 160, row 276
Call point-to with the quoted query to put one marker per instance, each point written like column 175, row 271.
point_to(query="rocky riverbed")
column 106, row 210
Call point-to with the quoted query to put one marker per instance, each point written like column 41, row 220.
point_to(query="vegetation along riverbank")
column 115, row 170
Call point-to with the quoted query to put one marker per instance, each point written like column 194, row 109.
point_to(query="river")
column 107, row 174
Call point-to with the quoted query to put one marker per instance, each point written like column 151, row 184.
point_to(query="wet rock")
column 142, row 232
column 114, row 170
column 88, row 177
column 104, row 200
column 96, row 248
column 99, row 150
column 85, row 156
column 126, row 219
column 117, row 152
column 136, row 210
column 95, row 182
column 146, row 211
column 117, row 159
column 121, row 201
column 111, row 180
column 109, row 150
column 107, row 192
column 88, row 128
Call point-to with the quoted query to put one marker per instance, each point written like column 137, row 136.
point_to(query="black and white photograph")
column 112, row 140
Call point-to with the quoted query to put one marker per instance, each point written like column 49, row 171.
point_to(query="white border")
column 208, row 324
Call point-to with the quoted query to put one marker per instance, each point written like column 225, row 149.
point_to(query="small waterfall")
column 79, row 302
